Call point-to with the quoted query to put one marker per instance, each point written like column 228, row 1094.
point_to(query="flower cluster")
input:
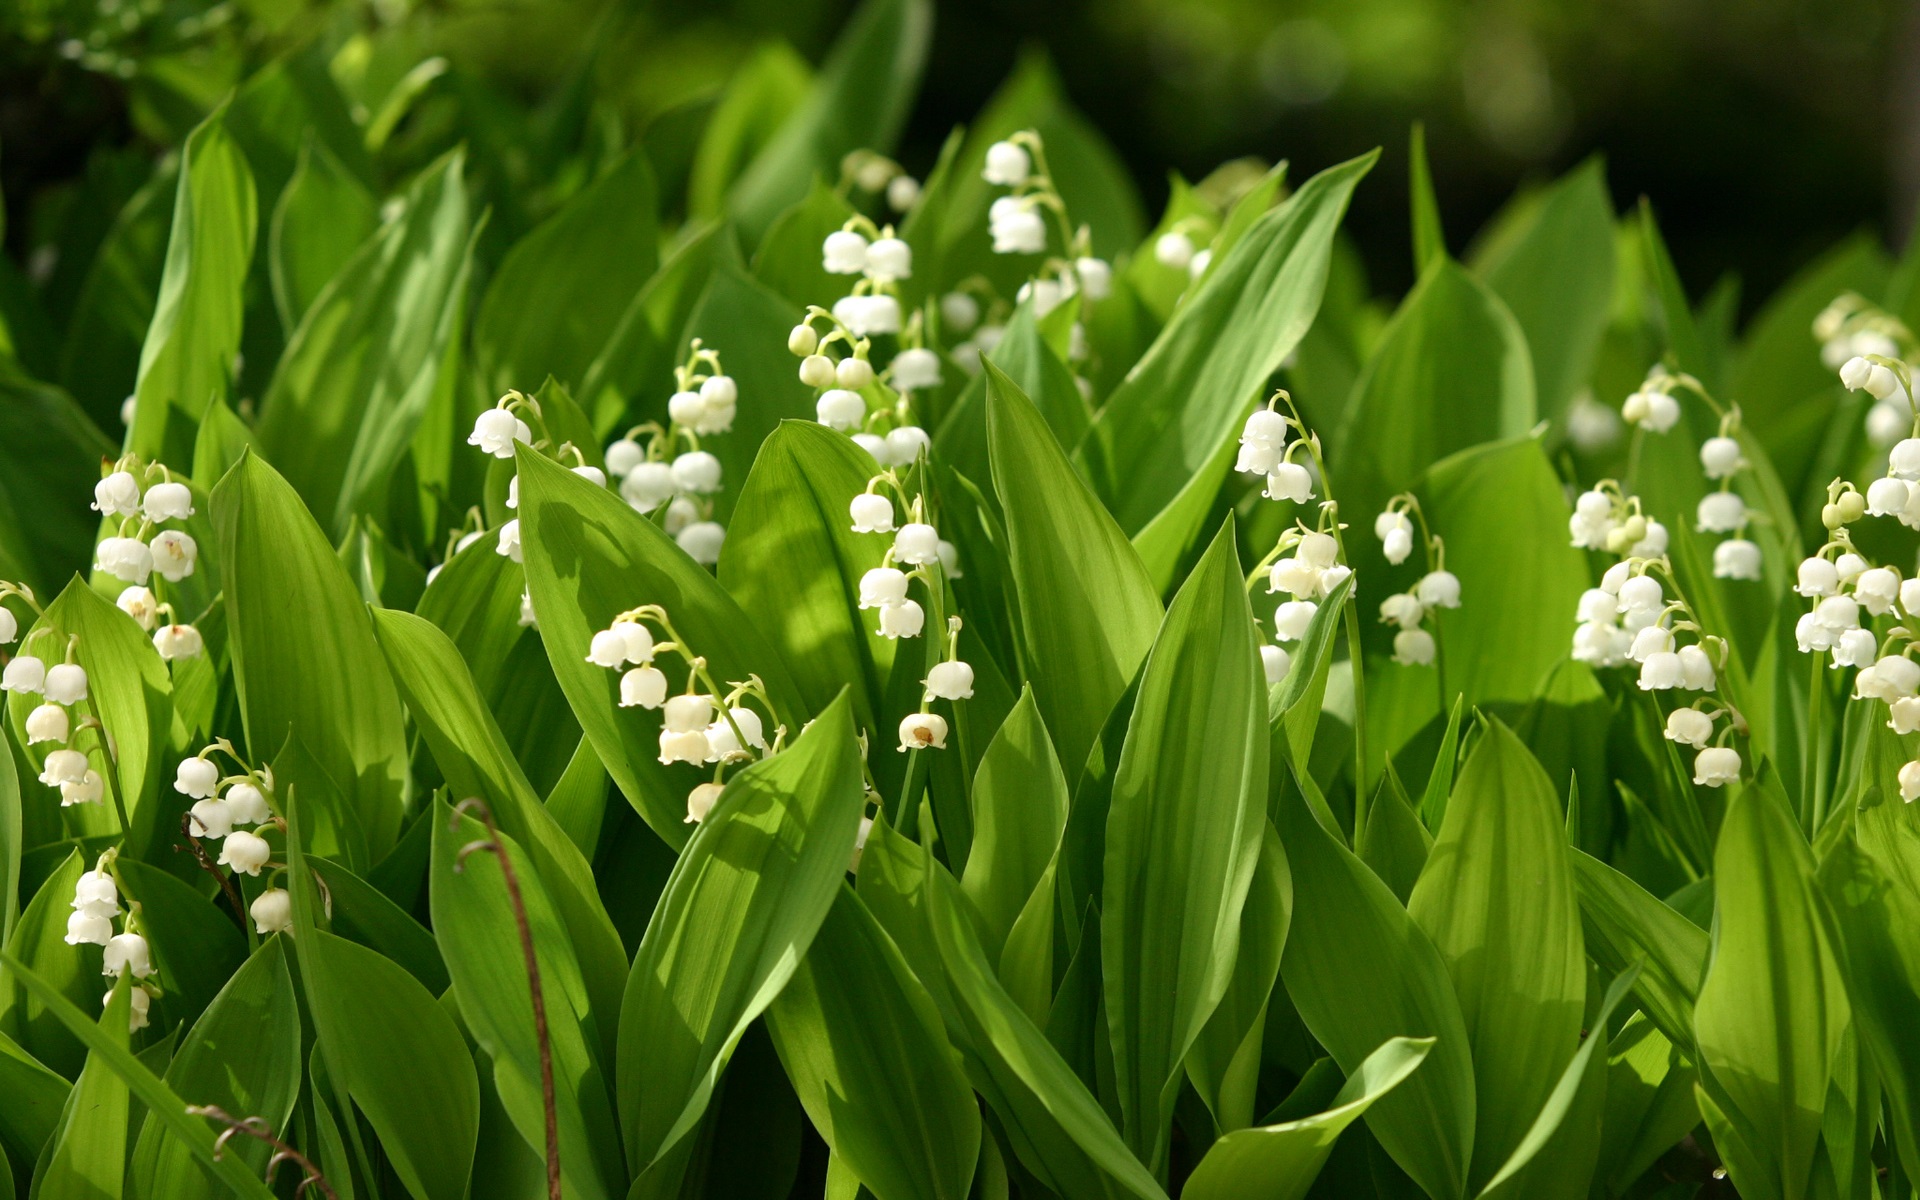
column 96, row 902
column 665, row 465
column 140, row 549
column 849, row 387
column 62, row 688
column 916, row 544
column 1265, row 450
column 698, row 725
column 876, row 173
column 950, row 679
column 223, row 804
column 1868, row 347
column 1309, row 574
column 1439, row 588
column 1175, row 248
column 1655, row 408
column 1017, row 223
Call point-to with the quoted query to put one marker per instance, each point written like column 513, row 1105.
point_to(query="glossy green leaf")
column 1020, row 803
column 1429, row 237
column 1773, row 1007
column 313, row 669
column 475, row 923
column 186, row 362
column 858, row 101
column 864, row 1045
column 1224, row 1063
column 196, row 946
column 117, row 296
column 1087, row 609
column 323, row 215
column 763, row 92
column 1280, row 1162
column 1650, row 1102
column 50, row 456
column 560, row 291
column 1622, row 922
column 35, row 1099
column 88, row 1157
column 789, row 259
column 1350, row 938
column 742, row 905
column 362, row 366
column 243, row 1055
column 1183, row 837
column 1023, row 353
column 1189, row 394
column 590, row 557
column 639, row 354
column 1497, row 899
column 39, row 941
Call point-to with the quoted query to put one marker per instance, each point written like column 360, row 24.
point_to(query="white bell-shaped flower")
column 916, row 369
column 874, row 445
column 643, row 687
column 950, row 560
column 1854, row 648
column 1007, row 165
column 196, row 777
column 700, row 801
column 1689, row 727
column 1653, row 543
column 127, row 952
column 1599, row 644
column 167, row 502
column 902, row 620
column 96, row 893
column 1903, row 461
column 949, row 681
column 1395, row 533
column 923, row 731
column 1696, row 669
column 1641, row 593
column 1655, row 412
column 587, row 471
column 883, row 586
column 139, row 1005
column 683, row 408
column 1596, row 604
column 1402, row 609
column 871, row 513
column 1257, row 457
column 272, row 912
column 1413, row 648
column 9, row 626
column 1274, row 663
column 127, row 559
column 638, row 640
column 1838, row 613
column 1737, row 558
column 689, row 746
column 843, row 253
column 1886, row 423
column 916, row 543
column 118, row 495
column 210, row 819
column 1887, row 497
column 507, row 543
column 1898, row 676
column 1817, row 577
column 1811, row 635
column 868, row 316
column 1716, row 766
column 174, row 642
column 249, row 804
column 1332, row 578
column 1649, row 641
column 139, row 603
column 1854, row 372
column 1661, row 671
column 1592, row 521
column 87, row 929
column 689, row 713
column 24, row 675
column 1904, row 716
column 1287, row 481
column 496, row 430
column 696, row 471
column 724, row 744
column 90, row 788
column 1046, row 295
column 1438, row 589
column 608, row 649
column 1291, row 619
column 903, row 192
column 1318, row 549
column 623, row 456
column 1720, row 512
column 1909, row 779
column 840, row 409
column 647, row 486
column 245, row 852
column 66, row 683
column 889, row 259
column 1096, row 277
column 1016, row 228
column 959, row 312
column 1720, row 457
column 1174, row 249
column 906, row 444
column 1850, row 566
column 1876, row 589
column 48, row 723
column 702, row 541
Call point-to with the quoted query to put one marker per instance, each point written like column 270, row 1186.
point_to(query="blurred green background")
column 1762, row 129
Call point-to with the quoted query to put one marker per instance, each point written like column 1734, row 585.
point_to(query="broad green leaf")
column 590, row 557
column 864, row 1045
column 187, row 362
column 477, row 927
column 764, row 90
column 560, row 291
column 639, row 352
column 858, row 101
column 1224, row 1063
column 1023, row 353
column 50, row 456
column 195, row 945
column 794, row 561
column 311, row 668
column 35, row 1099
column 739, row 911
column 1280, row 1162
column 323, row 215
column 1189, row 394
column 789, row 259
column 1554, row 270
column 360, row 912
column 1182, row 840
column 1393, row 841
column 1450, row 371
column 1673, row 318
column 1087, row 609
column 1054, row 1124
column 243, row 1054
column 1020, row 803
column 1350, row 938
column 115, row 305
column 1497, row 898
column 362, row 366
column 10, row 843
column 144, row 1085
column 88, row 1158
column 38, row 941
column 1650, row 1102
column 1621, row 922
column 1773, row 1006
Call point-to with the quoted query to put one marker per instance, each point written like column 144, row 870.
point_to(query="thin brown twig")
column 258, row 1129
column 210, row 867
column 492, row 842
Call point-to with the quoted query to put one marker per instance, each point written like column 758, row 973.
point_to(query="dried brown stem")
column 212, row 868
column 258, row 1129
column 484, row 815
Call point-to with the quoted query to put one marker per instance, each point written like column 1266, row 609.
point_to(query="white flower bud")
column 902, row 620
column 1286, row 481
column 245, row 852
column 843, row 253
column 1201, row 261
column 1720, row 512
column 66, row 683
column 684, row 408
column 840, row 409
column 126, row 559
column 1096, row 277
column 1653, row 543
column 140, row 604
column 210, row 819
column 916, row 369
column 118, row 495
column 853, row 373
column 1881, row 383
column 1397, row 545
column 702, row 541
column 167, row 502
column 873, row 444
column 88, row 789
column 916, row 543
column 905, row 445
column 1274, row 663
column 1007, row 165
column 196, row 777
column 1413, row 648
column 959, row 312
column 1174, row 250
column 950, row 681
column 48, row 723
column 1716, row 765
column 871, row 513
column 127, row 952
column 496, row 430
column 643, row 687
column 889, row 259
column 1854, row 372
column 1655, row 412
column 1291, row 619
column 883, row 586
column 1910, row 781
column 923, row 731
column 1696, row 669
column 174, row 642
column 9, row 626
column 24, row 675
column 1736, row 558
column 817, row 371
column 86, row 929
column 623, row 456
column 903, row 192
column 1720, row 457
column 1018, row 230
column 1887, row 423
column 508, row 543
column 700, row 801
column 1689, row 727
column 949, row 559
column 272, row 912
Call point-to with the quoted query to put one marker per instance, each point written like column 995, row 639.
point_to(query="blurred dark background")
column 1762, row 129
